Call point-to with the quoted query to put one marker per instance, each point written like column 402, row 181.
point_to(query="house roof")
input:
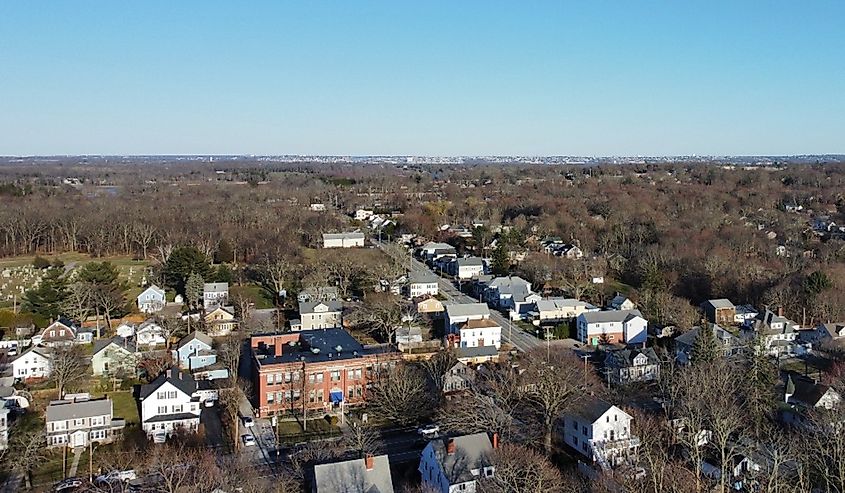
column 483, row 323
column 422, row 277
column 688, row 337
column 357, row 235
column 808, row 392
column 624, row 358
column 618, row 300
column 352, row 476
column 63, row 410
column 182, row 380
column 215, row 287
column 125, row 343
column 171, row 417
column 593, row 408
column 157, row 290
column 468, row 310
column 552, row 304
column 470, row 262
column 42, row 351
column 508, row 282
column 471, row 452
column 610, row 316
column 745, row 309
column 308, row 306
column 477, row 352
column 200, row 336
column 720, row 303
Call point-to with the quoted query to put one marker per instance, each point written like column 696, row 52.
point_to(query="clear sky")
column 458, row 77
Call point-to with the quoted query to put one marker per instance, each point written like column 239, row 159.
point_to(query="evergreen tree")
column 705, row 349
column 501, row 262
column 761, row 376
column 183, row 262
column 194, row 289
column 224, row 252
column 224, row 274
column 48, row 298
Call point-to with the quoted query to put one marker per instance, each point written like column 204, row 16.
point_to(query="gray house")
column 194, row 351
column 632, row 365
column 115, row 356
column 76, row 423
column 728, row 342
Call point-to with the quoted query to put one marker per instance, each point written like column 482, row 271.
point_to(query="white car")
column 249, row 440
column 248, row 422
column 428, row 430
column 209, row 403
column 159, row 437
column 117, row 476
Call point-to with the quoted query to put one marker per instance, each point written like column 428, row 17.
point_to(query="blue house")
column 194, row 351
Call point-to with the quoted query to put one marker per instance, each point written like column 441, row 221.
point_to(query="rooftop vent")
column 315, row 350
column 338, row 348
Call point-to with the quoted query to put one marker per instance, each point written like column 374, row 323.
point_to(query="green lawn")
column 125, row 406
column 253, row 292
column 292, row 432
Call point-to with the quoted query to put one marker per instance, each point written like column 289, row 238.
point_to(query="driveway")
column 210, row 419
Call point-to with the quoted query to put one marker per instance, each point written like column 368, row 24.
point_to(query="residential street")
column 510, row 332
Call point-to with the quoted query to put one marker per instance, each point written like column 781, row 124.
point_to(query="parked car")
column 69, row 484
column 116, row 476
column 248, row 422
column 209, row 403
column 159, row 437
column 428, row 431
column 249, row 440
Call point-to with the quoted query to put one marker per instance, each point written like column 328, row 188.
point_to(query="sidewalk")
column 77, row 454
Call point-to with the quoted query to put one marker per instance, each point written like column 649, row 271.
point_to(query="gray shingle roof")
column 122, row 342
column 467, row 309
column 477, row 352
column 470, row 262
column 200, row 336
column 308, row 306
column 181, row 379
column 63, row 410
column 471, row 452
column 610, row 316
column 422, row 277
column 352, row 476
column 624, row 358
column 721, row 303
column 215, row 287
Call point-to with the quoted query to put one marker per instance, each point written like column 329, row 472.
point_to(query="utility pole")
column 585, row 357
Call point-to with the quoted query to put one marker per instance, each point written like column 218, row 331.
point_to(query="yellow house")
column 430, row 305
column 220, row 322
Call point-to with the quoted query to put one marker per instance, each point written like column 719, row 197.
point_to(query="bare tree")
column 553, row 387
column 78, row 303
column 361, row 438
column 25, row 452
column 401, row 395
column 520, row 469
column 67, row 366
column 381, row 313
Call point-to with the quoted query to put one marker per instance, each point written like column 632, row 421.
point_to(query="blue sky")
column 435, row 78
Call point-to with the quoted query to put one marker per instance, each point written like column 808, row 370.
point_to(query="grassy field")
column 291, row 431
column 257, row 294
column 16, row 272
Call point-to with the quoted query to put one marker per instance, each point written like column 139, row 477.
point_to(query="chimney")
column 278, row 347
column 369, row 462
column 170, row 373
column 450, row 447
column 495, row 440
column 780, row 311
column 180, row 375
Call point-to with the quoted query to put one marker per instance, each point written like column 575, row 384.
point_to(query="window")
column 287, row 377
column 177, row 409
column 270, row 397
column 335, row 375
column 162, row 409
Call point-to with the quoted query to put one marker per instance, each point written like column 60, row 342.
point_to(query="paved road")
column 510, row 332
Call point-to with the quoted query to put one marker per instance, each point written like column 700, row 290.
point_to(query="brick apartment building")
column 326, row 367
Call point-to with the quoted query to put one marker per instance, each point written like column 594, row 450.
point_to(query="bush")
column 332, row 420
column 40, row 262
